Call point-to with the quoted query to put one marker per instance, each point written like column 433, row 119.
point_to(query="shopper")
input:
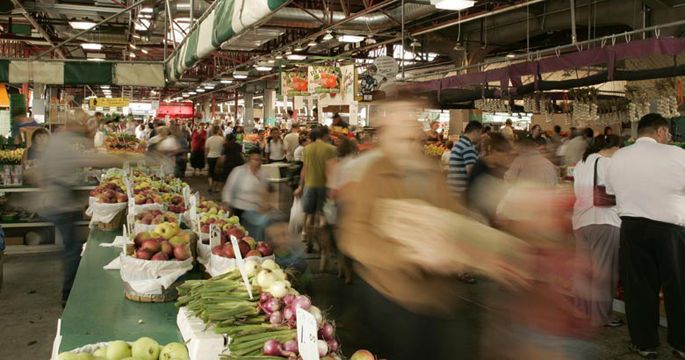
column 432, row 135
column 647, row 179
column 298, row 154
column 339, row 126
column 233, row 156
column 464, row 155
column 576, row 147
column 608, row 131
column 597, row 231
column 213, row 147
column 531, row 167
column 508, row 130
column 313, row 181
column 181, row 156
column 556, row 136
column 39, row 139
column 291, row 141
column 486, row 186
column 445, row 157
column 536, row 135
column 275, row 147
column 197, row 148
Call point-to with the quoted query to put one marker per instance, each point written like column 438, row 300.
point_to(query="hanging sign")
column 294, row 83
column 108, row 102
column 324, row 79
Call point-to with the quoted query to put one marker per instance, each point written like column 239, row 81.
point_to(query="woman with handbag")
column 597, row 230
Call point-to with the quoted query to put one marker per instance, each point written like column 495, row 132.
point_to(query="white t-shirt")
column 276, row 150
column 584, row 212
column 214, row 146
column 291, row 142
column 648, row 180
column 298, row 153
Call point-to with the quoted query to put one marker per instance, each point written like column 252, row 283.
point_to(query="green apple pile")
column 166, row 242
column 144, row 348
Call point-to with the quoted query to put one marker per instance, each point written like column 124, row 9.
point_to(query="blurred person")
column 163, row 149
column 233, row 156
column 100, row 135
column 275, row 147
column 296, row 166
column 339, row 126
column 61, row 164
column 291, row 141
column 530, row 166
column 213, row 148
column 556, row 135
column 575, row 148
column 181, row 156
column 445, row 157
column 597, row 231
column 432, row 135
column 312, row 186
column 130, row 128
column 464, row 155
column 647, row 180
column 197, row 148
column 508, row 131
column 39, row 139
column 608, row 131
column 261, row 139
column 411, row 303
column 140, row 132
column 246, row 192
column 537, row 136
column 484, row 143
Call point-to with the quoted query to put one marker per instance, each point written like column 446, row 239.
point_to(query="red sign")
column 176, row 110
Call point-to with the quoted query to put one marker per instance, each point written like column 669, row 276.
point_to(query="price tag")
column 127, row 167
column 307, row 339
column 186, row 194
column 214, row 236
column 241, row 265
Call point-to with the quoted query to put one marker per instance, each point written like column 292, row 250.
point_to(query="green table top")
column 98, row 311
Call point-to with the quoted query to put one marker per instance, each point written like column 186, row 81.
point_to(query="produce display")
column 110, row 192
column 262, row 326
column 154, row 217
column 11, row 157
column 121, row 142
column 248, row 246
column 166, row 242
column 434, row 150
column 174, row 202
column 144, row 348
column 142, row 197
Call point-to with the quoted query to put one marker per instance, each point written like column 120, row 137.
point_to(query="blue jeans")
column 64, row 223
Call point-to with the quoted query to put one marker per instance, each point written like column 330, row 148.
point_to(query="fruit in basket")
column 237, row 232
column 228, row 251
column 142, row 236
column 101, row 352
column 143, row 254
column 118, row 349
column 160, row 256
column 253, row 253
column 234, row 220
column 166, row 248
column 182, row 252
column 218, row 250
column 152, row 246
column 244, row 248
column 167, row 230
column 250, row 241
column 174, row 351
column 264, row 248
column 145, row 348
column 362, row 355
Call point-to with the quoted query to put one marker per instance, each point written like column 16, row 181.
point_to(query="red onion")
column 327, row 331
column 323, row 347
column 288, row 299
column 332, row 345
column 290, row 345
column 272, row 348
column 273, row 305
column 302, row 302
column 264, row 297
column 288, row 313
column 276, row 318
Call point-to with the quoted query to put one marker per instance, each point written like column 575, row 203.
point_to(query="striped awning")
column 81, row 73
column 227, row 19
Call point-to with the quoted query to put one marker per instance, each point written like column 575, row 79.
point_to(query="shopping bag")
column 296, row 217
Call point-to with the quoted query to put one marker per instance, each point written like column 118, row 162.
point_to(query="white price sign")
column 307, row 339
column 214, row 236
column 241, row 264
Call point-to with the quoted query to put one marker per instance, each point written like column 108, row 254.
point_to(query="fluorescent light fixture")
column 96, row 56
column 296, row 57
column 226, row 81
column 132, row 55
column 511, row 55
column 82, row 25
column 186, row 95
column 298, row 48
column 263, row 67
column 136, row 36
column 351, row 38
column 279, row 56
column 240, row 74
column 104, row 86
column 271, row 61
column 453, row 4
column 91, row 46
column 95, row 59
column 109, row 96
column 144, row 51
column 200, row 90
column 209, row 86
column 312, row 43
column 185, row 6
column 147, row 10
column 192, row 93
column 132, row 46
column 328, row 36
column 288, row 52
column 415, row 43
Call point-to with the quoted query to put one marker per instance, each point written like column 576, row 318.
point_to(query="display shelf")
column 24, row 189
column 19, row 225
column 32, row 249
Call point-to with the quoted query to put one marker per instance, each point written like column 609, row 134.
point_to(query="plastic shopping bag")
column 296, row 218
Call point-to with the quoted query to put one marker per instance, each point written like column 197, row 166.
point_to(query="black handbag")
column 600, row 198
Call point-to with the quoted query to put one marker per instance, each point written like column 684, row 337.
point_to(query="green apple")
column 117, row 350
column 84, row 356
column 101, row 352
column 174, row 351
column 67, row 356
column 177, row 240
column 233, row 220
column 145, row 349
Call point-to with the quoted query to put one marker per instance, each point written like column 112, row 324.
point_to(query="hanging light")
column 132, row 46
column 263, row 67
column 296, row 57
column 328, row 36
column 240, row 74
column 453, row 4
column 132, row 55
column 226, row 81
column 298, row 48
column 288, row 52
column 91, row 46
column 192, row 93
column 415, row 43
column 200, row 90
column 312, row 43
column 350, row 38
column 82, row 25
column 278, row 56
column 144, row 51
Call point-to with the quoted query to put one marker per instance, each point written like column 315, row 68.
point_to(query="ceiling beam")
column 37, row 26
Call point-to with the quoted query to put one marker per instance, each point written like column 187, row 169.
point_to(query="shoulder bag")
column 600, row 198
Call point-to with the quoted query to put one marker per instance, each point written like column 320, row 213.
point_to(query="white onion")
column 278, row 290
column 265, row 279
column 317, row 314
column 323, row 347
column 270, row 264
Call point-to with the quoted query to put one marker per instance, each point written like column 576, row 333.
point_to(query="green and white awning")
column 81, row 73
column 227, row 19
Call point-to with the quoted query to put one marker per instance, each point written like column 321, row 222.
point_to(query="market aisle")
column 30, row 305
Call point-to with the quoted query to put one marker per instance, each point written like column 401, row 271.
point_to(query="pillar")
column 248, row 114
column 269, row 105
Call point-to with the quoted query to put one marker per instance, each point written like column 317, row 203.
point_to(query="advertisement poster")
column 294, row 83
column 324, row 80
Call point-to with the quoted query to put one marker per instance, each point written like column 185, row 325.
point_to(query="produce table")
column 98, row 311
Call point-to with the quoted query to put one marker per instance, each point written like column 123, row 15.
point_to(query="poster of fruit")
column 294, row 83
column 324, row 79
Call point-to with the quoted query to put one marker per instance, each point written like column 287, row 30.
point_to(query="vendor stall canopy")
column 179, row 45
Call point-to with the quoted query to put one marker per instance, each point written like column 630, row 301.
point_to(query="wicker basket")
column 168, row 295
column 115, row 224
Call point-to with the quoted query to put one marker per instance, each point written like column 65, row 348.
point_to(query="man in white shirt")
column 648, row 179
column 291, row 141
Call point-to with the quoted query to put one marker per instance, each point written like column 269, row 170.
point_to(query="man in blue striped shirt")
column 464, row 155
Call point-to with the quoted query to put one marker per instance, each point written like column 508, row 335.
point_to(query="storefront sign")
column 140, row 108
column 108, row 102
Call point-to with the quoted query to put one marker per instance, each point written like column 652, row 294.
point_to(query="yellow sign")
column 109, row 102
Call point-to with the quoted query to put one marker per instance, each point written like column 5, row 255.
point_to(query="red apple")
column 218, row 250
column 228, row 251
column 151, row 246
column 181, row 252
column 167, row 248
column 204, row 228
column 244, row 248
column 264, row 248
column 238, row 233
column 160, row 256
column 138, row 240
column 143, row 254
column 253, row 253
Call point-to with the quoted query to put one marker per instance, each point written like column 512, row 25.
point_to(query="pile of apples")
column 219, row 219
column 154, row 217
column 175, row 202
column 166, row 242
column 144, row 348
column 143, row 197
column 247, row 244
column 109, row 193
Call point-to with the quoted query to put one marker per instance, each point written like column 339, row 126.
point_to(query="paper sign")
column 127, row 167
column 241, row 264
column 214, row 236
column 307, row 339
column 186, row 195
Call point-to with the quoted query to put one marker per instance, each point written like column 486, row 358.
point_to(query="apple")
column 218, row 250
column 122, row 197
column 167, row 248
column 101, row 352
column 228, row 251
column 362, row 355
column 244, row 248
column 204, row 228
column 117, row 350
column 151, row 245
column 145, row 349
column 143, row 254
column 177, row 240
column 264, row 248
column 160, row 256
column 174, row 351
column 250, row 241
column 182, row 252
column 253, row 253
column 233, row 220
column 226, row 227
column 238, row 233
column 138, row 240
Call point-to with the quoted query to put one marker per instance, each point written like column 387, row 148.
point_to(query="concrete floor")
column 30, row 307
